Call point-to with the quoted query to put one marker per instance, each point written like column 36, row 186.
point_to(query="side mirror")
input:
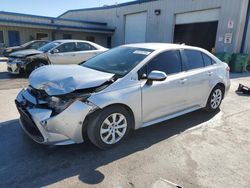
column 54, row 51
column 156, row 76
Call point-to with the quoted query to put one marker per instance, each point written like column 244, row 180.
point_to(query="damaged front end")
column 55, row 120
column 54, row 107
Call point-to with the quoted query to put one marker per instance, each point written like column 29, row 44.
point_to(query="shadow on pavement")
column 6, row 75
column 23, row 163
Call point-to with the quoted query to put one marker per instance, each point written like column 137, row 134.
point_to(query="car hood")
column 63, row 79
column 25, row 53
column 14, row 48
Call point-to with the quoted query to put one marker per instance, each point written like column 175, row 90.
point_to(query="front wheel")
column 215, row 99
column 34, row 65
column 109, row 127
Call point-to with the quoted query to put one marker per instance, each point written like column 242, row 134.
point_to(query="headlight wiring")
column 60, row 103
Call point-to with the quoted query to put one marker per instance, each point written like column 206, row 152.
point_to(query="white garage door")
column 135, row 28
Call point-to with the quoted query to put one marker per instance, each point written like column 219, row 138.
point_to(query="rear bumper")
column 44, row 128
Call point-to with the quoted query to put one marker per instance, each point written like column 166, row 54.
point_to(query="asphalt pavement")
column 198, row 149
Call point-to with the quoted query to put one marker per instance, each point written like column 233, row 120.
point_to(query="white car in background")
column 56, row 52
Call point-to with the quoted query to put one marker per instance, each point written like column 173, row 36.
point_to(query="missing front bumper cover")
column 64, row 127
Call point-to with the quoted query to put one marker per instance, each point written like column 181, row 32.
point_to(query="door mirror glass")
column 157, row 76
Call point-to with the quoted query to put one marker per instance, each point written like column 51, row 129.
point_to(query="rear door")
column 166, row 97
column 66, row 54
column 198, row 77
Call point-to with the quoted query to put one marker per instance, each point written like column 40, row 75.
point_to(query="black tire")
column 209, row 107
column 96, row 122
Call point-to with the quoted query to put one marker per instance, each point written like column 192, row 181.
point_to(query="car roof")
column 97, row 46
column 162, row 46
column 70, row 40
column 40, row 41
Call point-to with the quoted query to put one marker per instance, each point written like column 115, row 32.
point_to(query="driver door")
column 162, row 98
column 64, row 54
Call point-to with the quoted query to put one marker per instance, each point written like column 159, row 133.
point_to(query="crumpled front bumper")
column 45, row 128
column 15, row 68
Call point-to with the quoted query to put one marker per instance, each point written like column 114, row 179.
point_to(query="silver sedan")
column 128, row 87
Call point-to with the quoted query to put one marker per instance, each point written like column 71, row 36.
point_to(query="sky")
column 51, row 8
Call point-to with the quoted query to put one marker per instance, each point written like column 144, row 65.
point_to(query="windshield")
column 49, row 46
column 119, row 61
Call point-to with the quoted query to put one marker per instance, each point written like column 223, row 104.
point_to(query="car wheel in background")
column 34, row 65
column 109, row 127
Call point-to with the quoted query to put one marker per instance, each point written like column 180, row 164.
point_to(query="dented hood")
column 63, row 79
column 25, row 53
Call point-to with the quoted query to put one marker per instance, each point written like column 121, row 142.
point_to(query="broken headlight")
column 58, row 104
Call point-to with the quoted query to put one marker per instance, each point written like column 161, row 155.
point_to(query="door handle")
column 183, row 80
column 209, row 73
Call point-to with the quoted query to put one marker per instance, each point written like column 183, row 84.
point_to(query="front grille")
column 29, row 124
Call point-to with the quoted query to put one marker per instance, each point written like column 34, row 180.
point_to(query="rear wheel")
column 109, row 127
column 215, row 99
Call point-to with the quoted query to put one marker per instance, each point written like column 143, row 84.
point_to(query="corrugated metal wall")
column 100, row 39
column 29, row 25
column 26, row 34
column 161, row 28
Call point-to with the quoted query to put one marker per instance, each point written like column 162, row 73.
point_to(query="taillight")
column 228, row 68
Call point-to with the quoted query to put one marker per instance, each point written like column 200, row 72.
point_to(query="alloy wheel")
column 216, row 98
column 113, row 128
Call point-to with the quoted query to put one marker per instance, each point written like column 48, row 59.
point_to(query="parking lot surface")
column 195, row 150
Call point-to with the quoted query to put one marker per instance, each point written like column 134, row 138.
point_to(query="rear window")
column 207, row 60
column 80, row 46
column 193, row 58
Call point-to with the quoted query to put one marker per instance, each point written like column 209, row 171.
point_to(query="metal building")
column 220, row 24
column 16, row 29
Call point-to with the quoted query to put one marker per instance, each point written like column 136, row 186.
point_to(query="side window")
column 81, row 46
column 36, row 45
column 207, row 60
column 168, row 62
column 194, row 59
column 67, row 47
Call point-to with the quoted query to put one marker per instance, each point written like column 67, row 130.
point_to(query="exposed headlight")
column 58, row 104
